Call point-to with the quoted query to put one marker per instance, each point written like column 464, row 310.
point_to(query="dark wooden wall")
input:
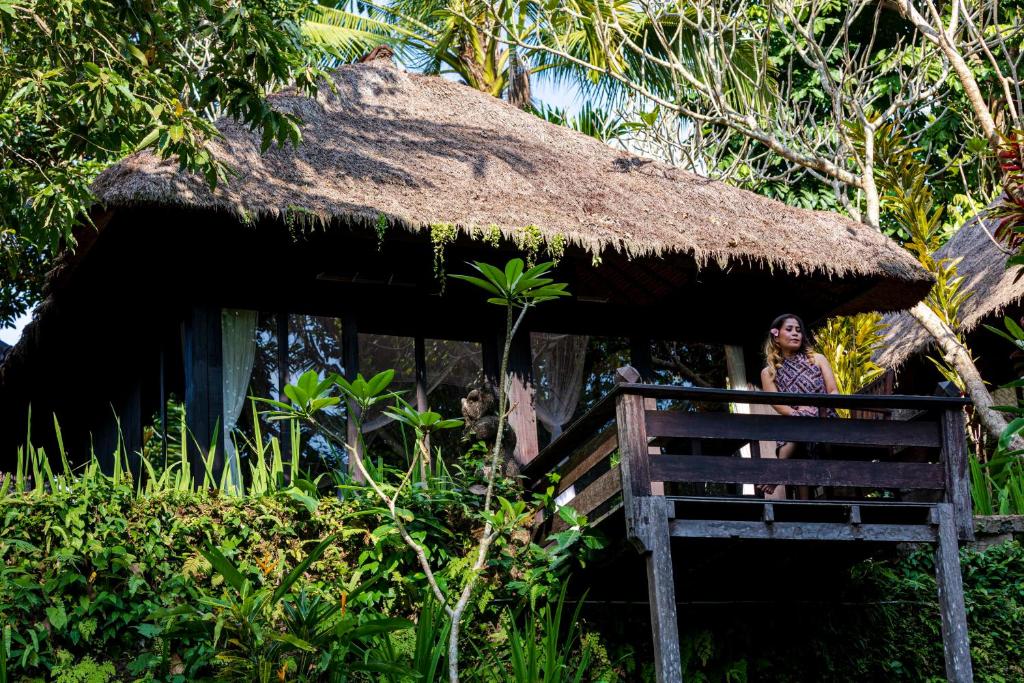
column 139, row 288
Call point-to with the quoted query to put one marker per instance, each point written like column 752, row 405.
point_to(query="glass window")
column 452, row 368
column 315, row 343
column 379, row 352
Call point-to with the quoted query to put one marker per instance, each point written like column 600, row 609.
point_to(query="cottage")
column 331, row 256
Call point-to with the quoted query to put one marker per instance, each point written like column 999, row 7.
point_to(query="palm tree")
column 493, row 46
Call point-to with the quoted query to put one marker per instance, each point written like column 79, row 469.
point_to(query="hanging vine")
column 441, row 235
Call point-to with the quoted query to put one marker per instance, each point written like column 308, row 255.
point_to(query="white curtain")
column 558, row 361
column 238, row 334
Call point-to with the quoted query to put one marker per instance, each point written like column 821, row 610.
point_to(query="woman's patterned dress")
column 799, row 374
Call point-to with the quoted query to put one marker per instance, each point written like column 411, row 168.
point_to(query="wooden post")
column 954, row 458
column 651, row 518
column 632, row 426
column 130, row 414
column 204, row 386
column 640, row 360
column 955, row 641
column 283, row 375
column 523, row 418
column 647, row 528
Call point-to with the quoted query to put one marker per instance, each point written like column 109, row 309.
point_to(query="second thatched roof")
column 418, row 151
column 992, row 285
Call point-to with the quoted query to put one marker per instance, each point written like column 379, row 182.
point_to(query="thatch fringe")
column 423, row 151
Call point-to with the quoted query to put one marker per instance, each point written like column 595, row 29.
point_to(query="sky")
column 12, row 334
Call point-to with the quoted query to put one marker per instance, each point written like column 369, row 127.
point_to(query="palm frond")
column 345, row 36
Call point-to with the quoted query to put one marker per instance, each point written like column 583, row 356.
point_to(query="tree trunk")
column 938, row 34
column 960, row 359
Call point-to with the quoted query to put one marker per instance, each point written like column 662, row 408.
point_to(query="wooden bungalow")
column 995, row 291
column 330, row 256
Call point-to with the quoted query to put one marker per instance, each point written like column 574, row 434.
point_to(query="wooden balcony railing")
column 904, row 475
column 624, row 445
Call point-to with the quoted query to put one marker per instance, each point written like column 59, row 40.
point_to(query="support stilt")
column 955, row 642
column 651, row 514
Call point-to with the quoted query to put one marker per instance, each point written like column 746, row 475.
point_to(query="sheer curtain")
column 456, row 363
column 238, row 333
column 558, row 361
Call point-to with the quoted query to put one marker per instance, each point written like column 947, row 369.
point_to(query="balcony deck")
column 894, row 471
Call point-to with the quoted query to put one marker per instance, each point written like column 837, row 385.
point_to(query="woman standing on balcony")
column 794, row 367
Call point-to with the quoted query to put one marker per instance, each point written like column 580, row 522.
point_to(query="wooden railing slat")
column 800, row 429
column 861, row 401
column 583, row 460
column 578, row 432
column 599, row 491
column 729, row 470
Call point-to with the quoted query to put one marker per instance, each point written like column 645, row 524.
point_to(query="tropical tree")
column 833, row 86
column 469, row 39
column 84, row 83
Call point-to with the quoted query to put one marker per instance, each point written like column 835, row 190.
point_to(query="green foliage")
column 516, row 287
column 87, row 670
column 100, row 567
column 591, row 120
column 997, row 483
column 543, row 651
column 315, row 639
column 85, row 82
column 907, row 195
column 849, row 343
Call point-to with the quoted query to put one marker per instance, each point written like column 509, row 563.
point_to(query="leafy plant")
column 85, row 83
column 316, row 639
column 849, row 343
column 544, row 650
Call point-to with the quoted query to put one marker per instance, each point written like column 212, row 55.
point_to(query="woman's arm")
column 768, row 384
column 826, row 374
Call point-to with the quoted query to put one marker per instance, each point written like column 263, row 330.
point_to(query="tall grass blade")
column 981, row 491
column 294, row 434
column 60, row 449
column 19, row 473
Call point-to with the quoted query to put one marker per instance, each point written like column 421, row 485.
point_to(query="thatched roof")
column 992, row 284
column 422, row 151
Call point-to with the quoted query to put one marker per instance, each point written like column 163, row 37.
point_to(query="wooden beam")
column 582, row 429
column 599, row 491
column 955, row 642
column 954, row 459
column 585, row 458
column 204, row 386
column 799, row 429
column 712, row 395
column 801, row 531
column 730, row 470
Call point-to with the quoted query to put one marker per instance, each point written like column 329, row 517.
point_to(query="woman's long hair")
column 773, row 352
